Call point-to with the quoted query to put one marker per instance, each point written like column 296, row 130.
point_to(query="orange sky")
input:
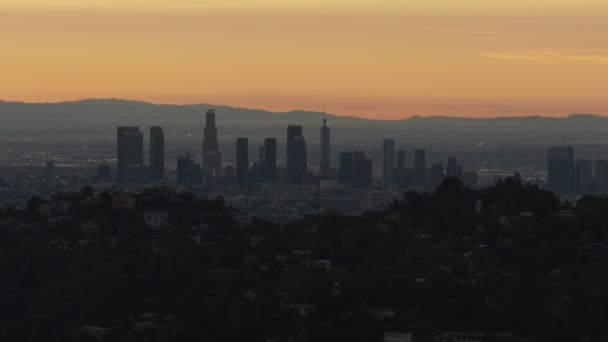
column 377, row 59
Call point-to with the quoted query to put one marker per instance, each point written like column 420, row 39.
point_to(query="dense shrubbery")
column 502, row 259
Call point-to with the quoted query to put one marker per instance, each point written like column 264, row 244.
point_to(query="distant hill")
column 97, row 119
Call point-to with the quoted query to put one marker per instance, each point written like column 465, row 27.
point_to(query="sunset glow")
column 383, row 59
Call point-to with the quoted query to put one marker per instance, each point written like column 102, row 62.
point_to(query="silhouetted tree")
column 33, row 203
column 87, row 191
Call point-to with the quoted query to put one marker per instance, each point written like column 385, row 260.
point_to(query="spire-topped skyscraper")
column 212, row 158
column 325, row 143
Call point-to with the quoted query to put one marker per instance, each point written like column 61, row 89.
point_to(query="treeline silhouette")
column 505, row 259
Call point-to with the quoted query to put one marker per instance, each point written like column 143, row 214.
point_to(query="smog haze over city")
column 295, row 171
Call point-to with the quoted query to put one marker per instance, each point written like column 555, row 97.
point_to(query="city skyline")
column 385, row 60
column 304, row 170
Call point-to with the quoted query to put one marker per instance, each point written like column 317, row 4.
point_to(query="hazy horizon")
column 384, row 60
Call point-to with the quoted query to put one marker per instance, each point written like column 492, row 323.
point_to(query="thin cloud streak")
column 548, row 56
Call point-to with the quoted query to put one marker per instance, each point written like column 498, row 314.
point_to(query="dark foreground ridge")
column 506, row 263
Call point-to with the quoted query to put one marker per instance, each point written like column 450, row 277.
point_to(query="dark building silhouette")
column 129, row 152
column 212, row 158
column 600, row 176
column 436, row 176
column 358, row 157
column 256, row 173
column 453, row 169
column 362, row 170
column 345, row 173
column 570, row 152
column 157, row 153
column 184, row 167
column 388, row 168
column 188, row 173
column 325, row 149
column 242, row 161
column 420, row 173
column 138, row 174
column 559, row 169
column 270, row 159
column 299, row 161
column 583, row 177
column 293, row 131
column 367, row 173
column 409, row 177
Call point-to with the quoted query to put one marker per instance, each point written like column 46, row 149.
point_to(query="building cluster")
column 565, row 176
column 355, row 168
column 130, row 166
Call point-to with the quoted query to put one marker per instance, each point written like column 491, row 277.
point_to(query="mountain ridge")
column 120, row 101
column 97, row 119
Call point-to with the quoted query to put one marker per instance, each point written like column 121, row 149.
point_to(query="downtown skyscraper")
column 129, row 151
column 157, row 153
column 420, row 173
column 299, row 169
column 212, row 158
column 325, row 149
column 270, row 160
column 296, row 154
column 560, row 166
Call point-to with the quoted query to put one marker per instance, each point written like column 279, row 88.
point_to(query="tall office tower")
column 188, row 173
column 570, row 152
column 345, row 174
column 185, row 165
column 299, row 161
column 420, row 176
column 559, row 169
column 362, row 170
column 436, row 176
column 157, row 153
column 454, row 170
column 242, row 161
column 270, row 159
column 389, row 162
column 129, row 151
column 583, row 179
column 50, row 169
column 325, row 149
column 212, row 158
column 293, row 131
column 600, row 176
